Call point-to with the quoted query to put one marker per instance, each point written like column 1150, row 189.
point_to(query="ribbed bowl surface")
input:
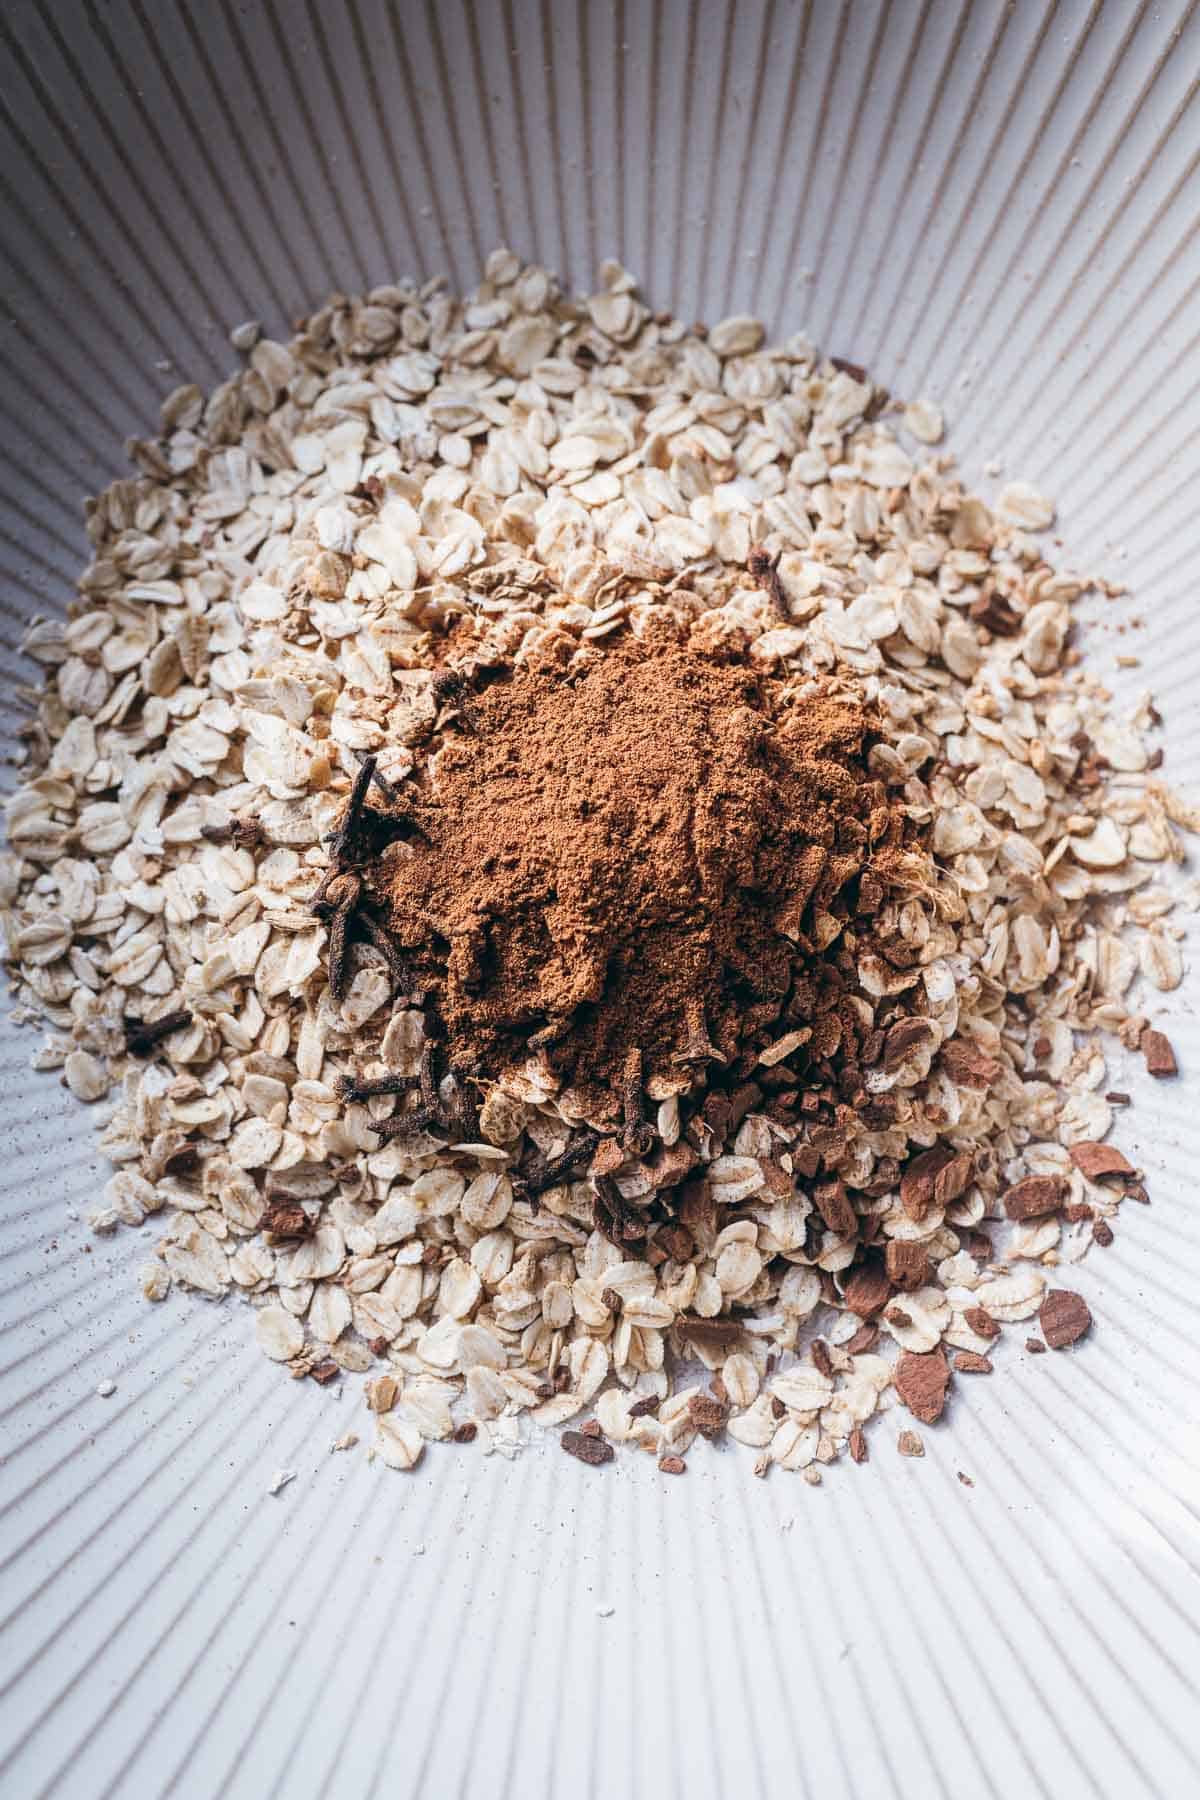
column 993, row 204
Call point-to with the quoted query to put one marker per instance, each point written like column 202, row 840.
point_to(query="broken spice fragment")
column 1034, row 1196
column 1159, row 1054
column 868, row 1289
column 922, row 1378
column 592, row 1450
column 1064, row 1318
column 907, row 1264
column 1097, row 1160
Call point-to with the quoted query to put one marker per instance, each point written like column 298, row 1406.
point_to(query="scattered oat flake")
column 924, row 420
column 106, row 1389
column 1020, row 504
column 910, row 1443
column 279, row 1480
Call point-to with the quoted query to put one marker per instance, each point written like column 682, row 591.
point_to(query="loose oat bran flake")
column 287, row 604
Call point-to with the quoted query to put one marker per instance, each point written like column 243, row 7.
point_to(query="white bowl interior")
column 991, row 204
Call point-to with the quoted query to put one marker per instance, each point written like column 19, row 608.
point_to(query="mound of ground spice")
column 639, row 862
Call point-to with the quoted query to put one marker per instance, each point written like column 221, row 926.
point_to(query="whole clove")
column 386, row 788
column 638, row 1135
column 344, row 894
column 764, row 570
column 552, row 1172
column 406, row 1124
column 619, row 1221
column 141, row 1035
column 353, row 1087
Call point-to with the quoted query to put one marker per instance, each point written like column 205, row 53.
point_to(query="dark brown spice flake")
column 285, row 1219
column 716, row 1331
column 708, row 1415
column 1159, row 1054
column 907, row 1264
column 1064, row 1318
column 1034, row 1197
column 591, row 1450
column 247, row 834
column 867, row 1289
column 1097, row 1160
column 922, row 1379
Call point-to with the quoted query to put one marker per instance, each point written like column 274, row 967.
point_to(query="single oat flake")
column 854, row 1154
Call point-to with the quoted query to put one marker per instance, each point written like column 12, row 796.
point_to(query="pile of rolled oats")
column 261, row 613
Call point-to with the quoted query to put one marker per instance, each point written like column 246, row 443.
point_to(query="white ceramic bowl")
column 993, row 204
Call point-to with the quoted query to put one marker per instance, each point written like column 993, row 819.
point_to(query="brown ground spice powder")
column 641, row 861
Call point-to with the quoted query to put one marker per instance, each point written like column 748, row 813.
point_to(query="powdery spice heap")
column 312, row 619
column 633, row 860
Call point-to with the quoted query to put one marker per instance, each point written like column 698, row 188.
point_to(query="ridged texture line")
column 995, row 203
